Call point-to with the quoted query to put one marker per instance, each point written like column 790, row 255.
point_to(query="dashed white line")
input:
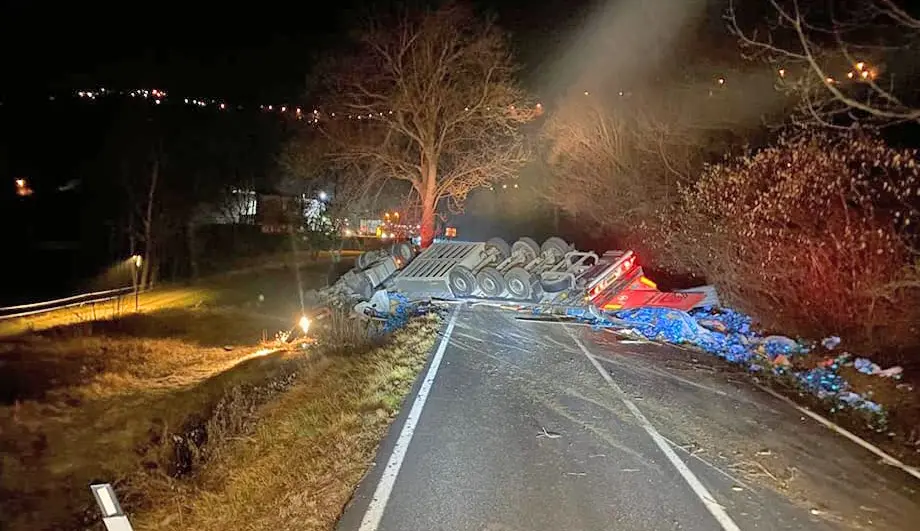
column 698, row 488
column 378, row 503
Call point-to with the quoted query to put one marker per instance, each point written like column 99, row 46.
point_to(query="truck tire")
column 500, row 246
column 366, row 259
column 555, row 247
column 556, row 285
column 462, row 281
column 526, row 248
column 491, row 282
column 359, row 284
column 520, row 283
column 403, row 251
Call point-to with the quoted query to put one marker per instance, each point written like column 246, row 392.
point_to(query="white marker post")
column 112, row 517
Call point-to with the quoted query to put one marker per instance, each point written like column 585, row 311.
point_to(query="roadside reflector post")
column 112, row 516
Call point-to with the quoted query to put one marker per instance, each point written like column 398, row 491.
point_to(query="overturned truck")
column 553, row 273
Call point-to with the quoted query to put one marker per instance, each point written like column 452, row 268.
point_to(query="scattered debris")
column 548, row 434
column 830, row 343
column 737, row 488
column 730, row 335
column 576, row 473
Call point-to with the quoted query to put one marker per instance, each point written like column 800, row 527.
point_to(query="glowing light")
column 865, row 74
column 223, row 106
column 587, row 93
column 323, row 196
column 349, row 232
column 283, row 109
column 782, row 72
column 504, row 186
column 829, row 80
column 515, row 185
column 860, row 65
column 721, row 80
column 20, row 183
column 850, row 75
column 269, row 107
column 138, row 260
column 304, row 324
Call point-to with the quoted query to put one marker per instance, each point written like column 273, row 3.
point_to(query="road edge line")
column 374, row 511
column 716, row 510
column 886, row 458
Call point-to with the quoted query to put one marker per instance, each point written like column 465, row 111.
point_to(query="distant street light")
column 323, row 196
column 22, row 188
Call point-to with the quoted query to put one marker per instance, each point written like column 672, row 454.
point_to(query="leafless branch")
column 811, row 52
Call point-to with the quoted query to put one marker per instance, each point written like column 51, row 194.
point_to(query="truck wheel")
column 555, row 247
column 491, row 282
column 366, row 259
column 403, row 251
column 462, row 281
column 556, row 285
column 526, row 248
column 520, row 283
column 359, row 284
column 500, row 246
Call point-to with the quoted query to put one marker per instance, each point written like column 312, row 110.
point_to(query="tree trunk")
column 429, row 205
column 147, row 277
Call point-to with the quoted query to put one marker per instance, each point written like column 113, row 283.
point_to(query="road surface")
column 520, row 429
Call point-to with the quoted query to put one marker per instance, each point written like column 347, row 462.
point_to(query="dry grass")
column 295, row 465
column 96, row 401
column 171, row 398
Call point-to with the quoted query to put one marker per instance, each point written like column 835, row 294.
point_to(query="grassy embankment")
column 186, row 399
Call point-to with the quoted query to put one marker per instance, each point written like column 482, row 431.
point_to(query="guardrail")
column 35, row 308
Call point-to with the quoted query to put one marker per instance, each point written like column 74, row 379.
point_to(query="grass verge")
column 99, row 400
column 295, row 465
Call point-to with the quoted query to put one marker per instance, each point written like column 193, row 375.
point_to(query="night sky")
column 248, row 52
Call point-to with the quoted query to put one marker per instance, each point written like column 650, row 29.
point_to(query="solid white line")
column 701, row 492
column 378, row 503
column 886, row 458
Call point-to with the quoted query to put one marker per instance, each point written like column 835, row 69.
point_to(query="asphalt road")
column 521, row 430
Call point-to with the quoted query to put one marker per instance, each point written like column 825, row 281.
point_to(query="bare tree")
column 432, row 101
column 833, row 58
column 617, row 160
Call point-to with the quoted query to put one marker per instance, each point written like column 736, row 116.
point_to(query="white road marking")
column 885, row 457
column 717, row 511
column 378, row 503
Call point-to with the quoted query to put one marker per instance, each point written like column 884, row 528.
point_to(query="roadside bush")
column 813, row 235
